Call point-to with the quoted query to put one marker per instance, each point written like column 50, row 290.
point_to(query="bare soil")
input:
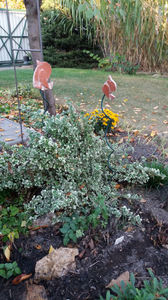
column 100, row 260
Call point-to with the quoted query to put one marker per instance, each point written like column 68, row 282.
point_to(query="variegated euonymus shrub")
column 68, row 166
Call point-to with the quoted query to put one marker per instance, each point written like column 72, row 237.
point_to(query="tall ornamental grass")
column 137, row 29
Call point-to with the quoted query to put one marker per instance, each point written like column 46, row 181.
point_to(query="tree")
column 18, row 4
column 34, row 41
column 12, row 4
column 49, row 4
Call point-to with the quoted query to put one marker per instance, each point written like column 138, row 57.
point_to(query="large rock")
column 56, row 264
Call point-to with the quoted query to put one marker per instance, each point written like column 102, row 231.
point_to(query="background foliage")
column 12, row 4
column 119, row 28
column 123, row 27
column 62, row 43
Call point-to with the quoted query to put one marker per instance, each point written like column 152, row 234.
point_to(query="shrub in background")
column 62, row 42
column 115, row 62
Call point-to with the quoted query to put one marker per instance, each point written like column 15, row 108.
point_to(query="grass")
column 141, row 100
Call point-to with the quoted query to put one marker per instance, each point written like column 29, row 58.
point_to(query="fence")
column 19, row 34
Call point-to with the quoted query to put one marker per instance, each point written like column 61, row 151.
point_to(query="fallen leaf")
column 123, row 277
column 81, row 254
column 8, row 140
column 82, row 186
column 129, row 229
column 143, row 200
column 137, row 109
column 51, row 249
column 7, row 253
column 165, row 122
column 120, row 141
column 11, row 236
column 119, row 240
column 20, row 278
column 153, row 133
column 1, row 129
column 120, row 129
column 68, row 194
column 117, row 186
column 37, row 228
column 10, row 168
column 91, row 244
column 23, row 224
column 38, row 247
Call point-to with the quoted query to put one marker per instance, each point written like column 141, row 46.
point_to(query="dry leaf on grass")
column 153, row 133
column 8, row 140
column 123, row 277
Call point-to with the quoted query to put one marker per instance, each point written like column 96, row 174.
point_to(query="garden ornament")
column 41, row 80
column 108, row 87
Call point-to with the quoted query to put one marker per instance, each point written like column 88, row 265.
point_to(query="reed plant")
column 137, row 29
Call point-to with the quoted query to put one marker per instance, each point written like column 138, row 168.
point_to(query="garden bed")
column 99, row 260
column 116, row 218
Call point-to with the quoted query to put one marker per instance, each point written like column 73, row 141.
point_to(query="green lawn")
column 146, row 107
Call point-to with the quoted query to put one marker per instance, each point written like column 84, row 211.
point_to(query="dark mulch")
column 100, row 260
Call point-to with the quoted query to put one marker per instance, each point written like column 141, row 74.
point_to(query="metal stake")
column 14, row 67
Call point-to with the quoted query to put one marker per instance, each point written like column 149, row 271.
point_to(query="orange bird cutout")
column 41, row 76
column 109, row 87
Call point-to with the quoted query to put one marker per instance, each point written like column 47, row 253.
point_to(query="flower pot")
column 26, row 60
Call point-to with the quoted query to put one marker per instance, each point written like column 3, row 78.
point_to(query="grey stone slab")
column 10, row 132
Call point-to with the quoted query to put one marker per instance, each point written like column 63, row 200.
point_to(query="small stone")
column 165, row 246
column 36, row 292
column 56, row 264
column 119, row 240
column 46, row 220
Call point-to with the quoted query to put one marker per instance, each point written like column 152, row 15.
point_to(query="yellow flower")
column 103, row 117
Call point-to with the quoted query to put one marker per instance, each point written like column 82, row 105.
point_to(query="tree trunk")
column 34, row 42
